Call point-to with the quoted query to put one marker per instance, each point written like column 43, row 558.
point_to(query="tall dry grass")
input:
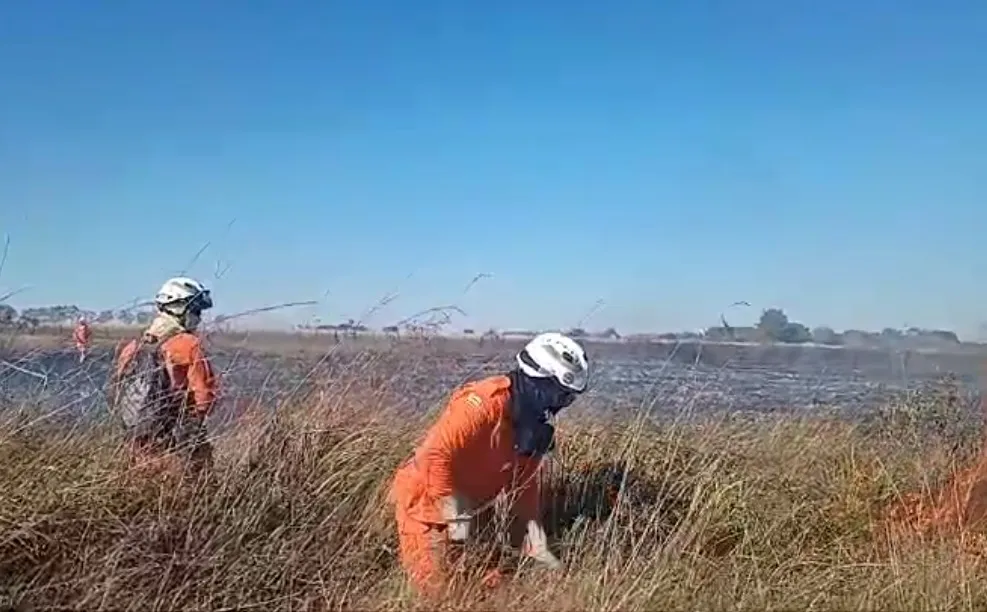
column 712, row 514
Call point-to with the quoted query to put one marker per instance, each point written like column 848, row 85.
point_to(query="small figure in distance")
column 82, row 336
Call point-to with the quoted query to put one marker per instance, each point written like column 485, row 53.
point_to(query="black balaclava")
column 532, row 401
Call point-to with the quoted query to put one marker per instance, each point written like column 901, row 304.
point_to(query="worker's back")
column 188, row 370
column 469, row 450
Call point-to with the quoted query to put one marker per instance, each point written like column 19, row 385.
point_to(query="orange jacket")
column 470, row 449
column 188, row 368
column 82, row 334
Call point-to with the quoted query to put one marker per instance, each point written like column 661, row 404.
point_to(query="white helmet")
column 553, row 355
column 185, row 291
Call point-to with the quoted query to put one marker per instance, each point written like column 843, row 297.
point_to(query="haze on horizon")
column 668, row 159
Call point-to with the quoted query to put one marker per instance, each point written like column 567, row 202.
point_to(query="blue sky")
column 667, row 158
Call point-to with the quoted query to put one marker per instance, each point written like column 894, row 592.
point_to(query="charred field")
column 671, row 378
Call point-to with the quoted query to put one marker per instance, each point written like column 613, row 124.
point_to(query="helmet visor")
column 201, row 301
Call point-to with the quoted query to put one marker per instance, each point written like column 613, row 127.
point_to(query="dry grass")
column 724, row 513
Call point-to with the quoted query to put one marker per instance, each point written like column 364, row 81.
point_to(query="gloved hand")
column 536, row 546
column 456, row 511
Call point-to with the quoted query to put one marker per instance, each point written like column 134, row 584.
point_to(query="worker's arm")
column 528, row 513
column 124, row 353
column 201, row 380
column 459, row 427
column 527, row 488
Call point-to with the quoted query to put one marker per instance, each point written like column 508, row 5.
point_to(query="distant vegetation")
column 773, row 326
column 30, row 318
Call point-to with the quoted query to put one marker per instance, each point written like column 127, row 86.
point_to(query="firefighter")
column 490, row 438
column 164, row 385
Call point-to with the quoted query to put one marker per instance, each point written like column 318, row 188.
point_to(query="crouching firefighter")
column 163, row 387
column 489, row 439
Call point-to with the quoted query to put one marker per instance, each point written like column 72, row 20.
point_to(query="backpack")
column 143, row 397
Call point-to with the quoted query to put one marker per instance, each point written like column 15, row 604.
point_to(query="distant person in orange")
column 163, row 386
column 81, row 336
column 490, row 438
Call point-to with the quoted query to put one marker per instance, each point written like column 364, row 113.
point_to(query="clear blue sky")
column 668, row 158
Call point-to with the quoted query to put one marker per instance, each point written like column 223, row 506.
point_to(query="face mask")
column 191, row 321
column 533, row 400
column 534, row 438
column 564, row 399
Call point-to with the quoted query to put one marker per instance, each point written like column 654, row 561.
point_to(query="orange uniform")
column 468, row 452
column 82, row 335
column 188, row 369
column 192, row 378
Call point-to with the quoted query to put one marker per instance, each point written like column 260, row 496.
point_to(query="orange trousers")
column 424, row 551
column 429, row 559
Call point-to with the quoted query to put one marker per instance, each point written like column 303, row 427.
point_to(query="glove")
column 456, row 511
column 536, row 546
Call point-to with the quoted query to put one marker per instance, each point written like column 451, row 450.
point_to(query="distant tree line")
column 62, row 314
column 772, row 326
column 775, row 326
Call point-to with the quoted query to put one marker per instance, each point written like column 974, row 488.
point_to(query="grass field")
column 776, row 513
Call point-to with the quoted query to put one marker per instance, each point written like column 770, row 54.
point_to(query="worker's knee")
column 423, row 552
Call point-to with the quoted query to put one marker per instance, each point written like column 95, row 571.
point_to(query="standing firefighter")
column 81, row 336
column 490, row 439
column 163, row 386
